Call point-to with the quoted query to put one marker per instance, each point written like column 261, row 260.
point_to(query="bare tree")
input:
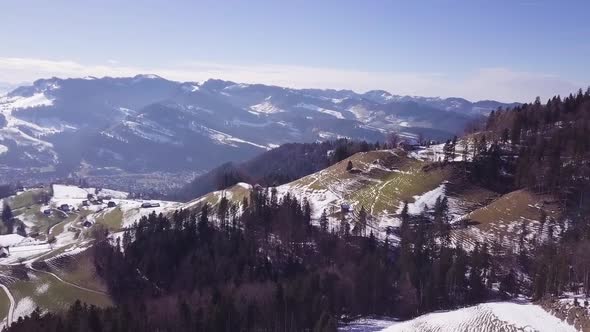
column 392, row 140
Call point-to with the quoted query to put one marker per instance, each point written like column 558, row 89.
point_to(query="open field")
column 46, row 291
column 504, row 219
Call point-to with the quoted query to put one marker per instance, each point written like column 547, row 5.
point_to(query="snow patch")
column 9, row 240
column 361, row 113
column 244, row 185
column 333, row 113
column 486, row 317
column 36, row 100
column 151, row 131
column 428, row 199
column 223, row 138
column 61, row 191
column 42, row 289
column 23, row 308
column 113, row 193
column 266, row 108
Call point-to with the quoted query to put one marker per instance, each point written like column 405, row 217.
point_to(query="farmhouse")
column 149, row 205
column 345, row 207
column 408, row 145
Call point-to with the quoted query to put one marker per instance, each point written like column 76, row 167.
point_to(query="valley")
column 93, row 127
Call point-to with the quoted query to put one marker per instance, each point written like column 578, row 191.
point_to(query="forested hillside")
column 551, row 146
column 552, row 142
column 269, row 270
column 265, row 262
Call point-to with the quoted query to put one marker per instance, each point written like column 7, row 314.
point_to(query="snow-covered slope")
column 24, row 136
column 487, row 317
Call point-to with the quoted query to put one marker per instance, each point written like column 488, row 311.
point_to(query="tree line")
column 544, row 148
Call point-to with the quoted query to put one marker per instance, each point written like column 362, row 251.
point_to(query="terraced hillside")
column 381, row 181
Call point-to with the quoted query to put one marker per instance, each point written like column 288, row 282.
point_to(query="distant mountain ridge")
column 148, row 123
column 6, row 87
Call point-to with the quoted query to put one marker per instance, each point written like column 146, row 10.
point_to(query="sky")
column 503, row 50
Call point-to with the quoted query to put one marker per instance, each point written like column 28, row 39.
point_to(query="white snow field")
column 486, row 317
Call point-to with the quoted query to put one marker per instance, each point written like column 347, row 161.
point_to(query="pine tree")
column 324, row 221
column 244, row 204
column 406, row 260
column 307, row 213
column 363, row 221
column 482, row 146
column 505, row 135
column 345, row 228
column 408, row 296
column 516, row 130
column 6, row 213
column 508, row 284
column 404, row 215
column 203, row 225
column 441, row 207
column 274, row 199
column 233, row 211
column 20, row 230
column 222, row 210
column 7, row 218
column 349, row 165
column 447, row 149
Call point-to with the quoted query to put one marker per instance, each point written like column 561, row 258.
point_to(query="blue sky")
column 506, row 50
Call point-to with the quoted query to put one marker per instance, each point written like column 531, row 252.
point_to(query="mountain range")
column 147, row 123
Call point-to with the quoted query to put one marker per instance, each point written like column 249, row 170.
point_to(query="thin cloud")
column 489, row 83
column 508, row 85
